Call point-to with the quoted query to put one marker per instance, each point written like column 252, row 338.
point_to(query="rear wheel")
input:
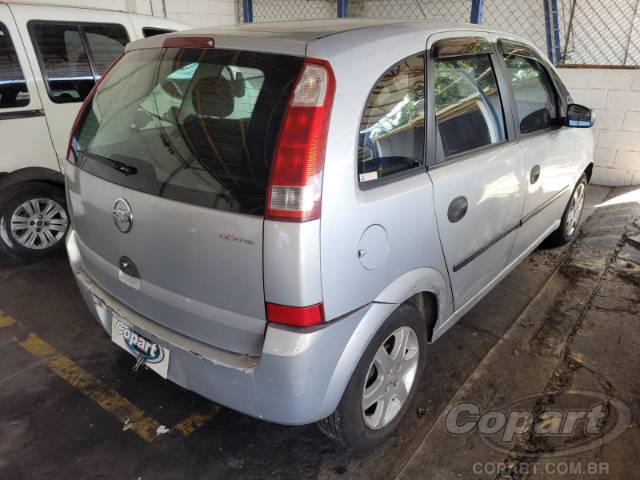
column 33, row 220
column 570, row 217
column 383, row 384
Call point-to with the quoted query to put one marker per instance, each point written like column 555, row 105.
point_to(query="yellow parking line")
column 126, row 412
column 6, row 320
column 132, row 417
column 194, row 421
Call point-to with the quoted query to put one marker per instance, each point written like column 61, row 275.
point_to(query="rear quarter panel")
column 404, row 208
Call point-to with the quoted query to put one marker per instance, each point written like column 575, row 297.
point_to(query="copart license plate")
column 147, row 352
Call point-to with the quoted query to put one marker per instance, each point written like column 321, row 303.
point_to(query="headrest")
column 213, row 97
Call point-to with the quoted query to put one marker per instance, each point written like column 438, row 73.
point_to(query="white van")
column 50, row 58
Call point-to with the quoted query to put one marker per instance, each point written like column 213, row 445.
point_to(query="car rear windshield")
column 197, row 126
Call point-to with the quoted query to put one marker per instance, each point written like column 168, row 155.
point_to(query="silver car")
column 283, row 217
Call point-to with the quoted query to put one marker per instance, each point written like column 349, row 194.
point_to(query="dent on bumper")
column 298, row 379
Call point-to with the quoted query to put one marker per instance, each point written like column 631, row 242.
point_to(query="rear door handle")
column 535, row 174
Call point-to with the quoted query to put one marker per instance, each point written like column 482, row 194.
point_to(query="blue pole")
column 343, row 8
column 477, row 10
column 247, row 11
column 547, row 27
column 556, row 32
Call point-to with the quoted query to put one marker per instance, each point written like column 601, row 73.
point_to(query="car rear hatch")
column 172, row 159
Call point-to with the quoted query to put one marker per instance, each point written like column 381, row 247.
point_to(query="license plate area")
column 155, row 356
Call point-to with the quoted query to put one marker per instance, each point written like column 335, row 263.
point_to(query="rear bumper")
column 299, row 378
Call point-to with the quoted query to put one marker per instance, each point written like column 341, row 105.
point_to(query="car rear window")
column 196, row 126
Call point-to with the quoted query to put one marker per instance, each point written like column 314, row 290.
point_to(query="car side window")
column 469, row 111
column 534, row 93
column 13, row 87
column 392, row 129
column 70, row 71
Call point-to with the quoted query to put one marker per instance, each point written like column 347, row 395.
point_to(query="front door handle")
column 535, row 174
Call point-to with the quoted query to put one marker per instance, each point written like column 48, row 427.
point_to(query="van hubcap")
column 575, row 210
column 390, row 377
column 39, row 223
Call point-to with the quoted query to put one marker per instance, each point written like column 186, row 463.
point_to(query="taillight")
column 295, row 316
column 86, row 103
column 295, row 186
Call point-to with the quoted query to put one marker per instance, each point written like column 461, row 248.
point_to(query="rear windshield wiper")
column 121, row 167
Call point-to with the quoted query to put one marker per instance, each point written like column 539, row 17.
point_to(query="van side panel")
column 24, row 128
column 30, row 143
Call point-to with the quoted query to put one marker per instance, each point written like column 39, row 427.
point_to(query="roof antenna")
column 421, row 10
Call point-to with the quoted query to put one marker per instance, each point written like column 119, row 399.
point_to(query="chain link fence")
column 525, row 18
column 600, row 32
column 283, row 10
column 570, row 32
column 439, row 10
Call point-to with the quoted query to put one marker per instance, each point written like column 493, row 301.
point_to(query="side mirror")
column 579, row 116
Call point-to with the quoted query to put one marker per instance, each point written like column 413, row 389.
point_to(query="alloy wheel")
column 390, row 378
column 39, row 223
column 575, row 209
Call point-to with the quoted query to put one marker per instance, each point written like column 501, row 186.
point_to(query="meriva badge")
column 141, row 347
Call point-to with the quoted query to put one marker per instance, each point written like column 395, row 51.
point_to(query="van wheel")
column 383, row 385
column 571, row 216
column 33, row 221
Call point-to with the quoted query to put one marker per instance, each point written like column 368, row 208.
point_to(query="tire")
column 23, row 206
column 570, row 218
column 357, row 428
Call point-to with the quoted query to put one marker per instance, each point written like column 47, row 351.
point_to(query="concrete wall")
column 197, row 13
column 614, row 95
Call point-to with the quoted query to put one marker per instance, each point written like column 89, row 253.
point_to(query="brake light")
column 295, row 316
column 188, row 42
column 87, row 101
column 295, row 186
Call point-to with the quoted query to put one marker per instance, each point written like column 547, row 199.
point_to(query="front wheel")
column 383, row 384
column 33, row 221
column 570, row 217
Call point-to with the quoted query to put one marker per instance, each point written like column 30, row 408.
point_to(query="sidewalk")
column 571, row 364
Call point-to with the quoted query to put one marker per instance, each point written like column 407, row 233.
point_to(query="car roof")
column 317, row 29
column 293, row 36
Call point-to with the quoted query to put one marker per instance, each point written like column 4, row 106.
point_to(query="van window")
column 196, row 126
column 153, row 31
column 467, row 100
column 106, row 43
column 69, row 70
column 392, row 129
column 13, row 87
column 535, row 96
